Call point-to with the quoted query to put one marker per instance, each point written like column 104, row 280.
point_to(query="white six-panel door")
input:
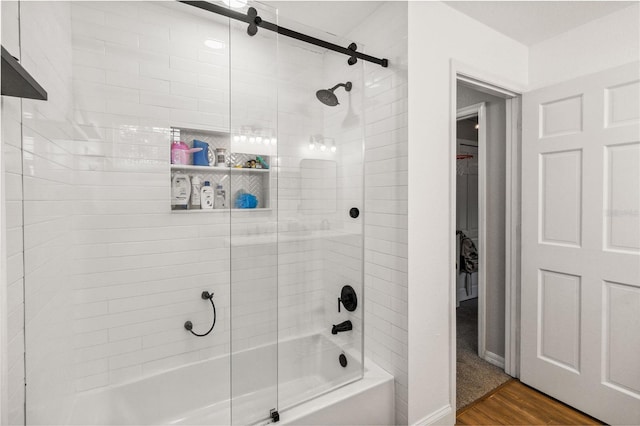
column 580, row 329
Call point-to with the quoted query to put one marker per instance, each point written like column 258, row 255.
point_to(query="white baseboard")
column 442, row 416
column 494, row 359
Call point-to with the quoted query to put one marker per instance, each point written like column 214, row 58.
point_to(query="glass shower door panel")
column 120, row 262
column 320, row 245
column 252, row 199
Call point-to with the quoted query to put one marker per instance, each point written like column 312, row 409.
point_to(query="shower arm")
column 338, row 85
column 255, row 21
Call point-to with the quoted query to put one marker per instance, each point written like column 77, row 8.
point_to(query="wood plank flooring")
column 516, row 404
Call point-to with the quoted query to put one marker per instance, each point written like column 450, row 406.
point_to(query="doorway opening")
column 482, row 122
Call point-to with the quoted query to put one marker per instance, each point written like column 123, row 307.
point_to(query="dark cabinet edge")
column 17, row 82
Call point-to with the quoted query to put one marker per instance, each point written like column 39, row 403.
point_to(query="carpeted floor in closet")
column 475, row 376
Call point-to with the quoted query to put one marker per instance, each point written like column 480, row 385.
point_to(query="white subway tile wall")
column 386, row 168
column 140, row 267
column 12, row 152
column 344, row 263
column 48, row 202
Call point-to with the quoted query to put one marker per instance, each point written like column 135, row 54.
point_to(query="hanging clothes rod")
column 254, row 21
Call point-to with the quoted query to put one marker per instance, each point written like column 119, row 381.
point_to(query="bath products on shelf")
column 196, row 187
column 245, row 200
column 206, row 155
column 180, row 191
column 206, row 196
column 261, row 161
column 221, row 157
column 201, row 158
column 221, row 198
column 180, row 152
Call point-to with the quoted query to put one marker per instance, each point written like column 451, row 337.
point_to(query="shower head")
column 327, row 97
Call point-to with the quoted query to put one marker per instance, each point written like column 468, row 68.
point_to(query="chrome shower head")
column 327, row 97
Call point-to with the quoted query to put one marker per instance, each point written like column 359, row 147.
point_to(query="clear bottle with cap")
column 196, row 187
column 206, row 196
column 221, row 198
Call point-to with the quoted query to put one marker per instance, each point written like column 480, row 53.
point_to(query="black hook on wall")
column 189, row 325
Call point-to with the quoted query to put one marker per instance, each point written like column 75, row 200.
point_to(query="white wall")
column 595, row 46
column 438, row 35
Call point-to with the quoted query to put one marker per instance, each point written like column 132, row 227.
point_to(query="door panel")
column 581, row 243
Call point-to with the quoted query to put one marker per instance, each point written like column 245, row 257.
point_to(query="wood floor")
column 516, row 404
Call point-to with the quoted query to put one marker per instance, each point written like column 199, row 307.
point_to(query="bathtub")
column 309, row 385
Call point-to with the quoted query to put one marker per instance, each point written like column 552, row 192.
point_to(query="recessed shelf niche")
column 233, row 178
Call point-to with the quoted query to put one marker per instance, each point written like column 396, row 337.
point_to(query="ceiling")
column 531, row 22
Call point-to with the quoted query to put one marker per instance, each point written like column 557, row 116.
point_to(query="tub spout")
column 343, row 326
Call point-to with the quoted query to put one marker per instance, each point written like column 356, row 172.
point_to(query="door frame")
column 489, row 83
column 479, row 110
column 4, row 351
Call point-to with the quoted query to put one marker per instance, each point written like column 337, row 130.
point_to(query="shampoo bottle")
column 180, row 191
column 196, row 187
column 206, row 196
column 221, row 198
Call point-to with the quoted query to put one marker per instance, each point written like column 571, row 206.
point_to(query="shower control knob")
column 354, row 212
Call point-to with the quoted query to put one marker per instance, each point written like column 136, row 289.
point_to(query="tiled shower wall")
column 12, row 152
column 140, row 267
column 386, row 195
column 344, row 123
column 384, row 117
column 40, row 198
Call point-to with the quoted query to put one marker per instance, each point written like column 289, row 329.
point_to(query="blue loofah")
column 246, row 201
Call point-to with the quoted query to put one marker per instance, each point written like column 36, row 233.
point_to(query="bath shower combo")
column 274, row 354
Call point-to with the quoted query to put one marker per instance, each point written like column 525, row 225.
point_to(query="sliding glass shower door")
column 253, row 203
column 320, row 219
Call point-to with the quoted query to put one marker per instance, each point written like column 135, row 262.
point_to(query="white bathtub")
column 198, row 393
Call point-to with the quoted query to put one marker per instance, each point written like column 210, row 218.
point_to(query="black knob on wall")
column 348, row 299
column 354, row 212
